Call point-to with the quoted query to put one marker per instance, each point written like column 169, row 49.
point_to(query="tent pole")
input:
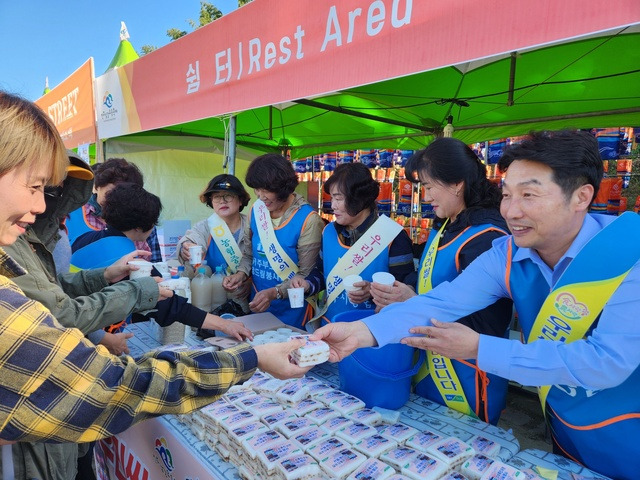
column 231, row 148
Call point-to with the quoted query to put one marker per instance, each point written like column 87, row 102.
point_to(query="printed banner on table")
column 71, row 107
column 268, row 53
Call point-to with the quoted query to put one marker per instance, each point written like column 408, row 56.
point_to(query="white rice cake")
column 238, row 434
column 484, row 446
column 309, row 381
column 424, row 467
column 237, row 396
column 321, row 415
column 474, row 467
column 305, row 406
column 292, row 393
column 316, row 389
column 420, row 441
column 311, row 353
column 341, row 463
column 271, row 455
column 398, row 476
column 252, row 444
column 277, row 417
column 236, row 420
column 298, row 467
column 256, row 377
column 309, row 437
column 264, row 407
column 355, row 432
column 502, row 471
column 451, row 450
column 375, row 445
column 398, row 432
column 324, row 448
column 294, row 425
column 269, row 387
column 334, row 424
column 330, row 396
column 372, row 469
column 399, row 457
column 454, row 476
column 347, row 404
column 366, row 416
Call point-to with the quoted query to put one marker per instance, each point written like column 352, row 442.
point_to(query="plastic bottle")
column 207, row 268
column 185, row 287
column 219, row 294
column 201, row 290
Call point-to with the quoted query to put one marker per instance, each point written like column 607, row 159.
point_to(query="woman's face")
column 339, row 207
column 447, row 199
column 225, row 204
column 270, row 200
column 21, row 199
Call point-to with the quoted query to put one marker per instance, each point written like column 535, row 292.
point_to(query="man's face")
column 538, row 212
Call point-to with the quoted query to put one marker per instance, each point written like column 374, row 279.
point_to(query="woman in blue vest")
column 285, row 236
column 353, row 202
column 468, row 219
column 226, row 195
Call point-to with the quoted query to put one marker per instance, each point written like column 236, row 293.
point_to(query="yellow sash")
column 440, row 368
column 359, row 256
column 278, row 259
column 225, row 242
column 568, row 312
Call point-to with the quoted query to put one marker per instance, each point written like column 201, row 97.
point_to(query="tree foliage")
column 243, row 2
column 147, row 49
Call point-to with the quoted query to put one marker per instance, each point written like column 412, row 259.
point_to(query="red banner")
column 71, row 107
column 271, row 52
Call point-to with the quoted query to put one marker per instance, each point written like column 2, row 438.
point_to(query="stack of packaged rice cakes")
column 305, row 429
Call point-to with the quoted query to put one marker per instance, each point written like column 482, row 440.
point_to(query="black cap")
column 225, row 183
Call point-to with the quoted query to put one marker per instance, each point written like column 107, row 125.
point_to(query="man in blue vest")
column 575, row 282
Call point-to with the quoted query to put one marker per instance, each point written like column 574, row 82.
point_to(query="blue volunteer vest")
column 101, row 253
column 332, row 250
column 77, row 225
column 598, row 429
column 214, row 257
column 263, row 275
column 485, row 393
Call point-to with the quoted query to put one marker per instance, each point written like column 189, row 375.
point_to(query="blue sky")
column 53, row 38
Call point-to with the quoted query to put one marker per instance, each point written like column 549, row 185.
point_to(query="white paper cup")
column 144, row 269
column 348, row 282
column 383, row 278
column 196, row 255
column 296, row 297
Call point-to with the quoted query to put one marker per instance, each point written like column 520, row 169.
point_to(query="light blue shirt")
column 603, row 360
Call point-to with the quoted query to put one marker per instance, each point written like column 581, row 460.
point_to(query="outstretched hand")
column 452, row 340
column 275, row 359
column 121, row 268
column 344, row 338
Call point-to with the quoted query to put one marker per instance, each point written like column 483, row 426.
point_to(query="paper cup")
column 144, row 269
column 196, row 255
column 296, row 297
column 348, row 282
column 383, row 278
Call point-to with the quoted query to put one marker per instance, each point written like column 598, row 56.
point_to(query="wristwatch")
column 278, row 293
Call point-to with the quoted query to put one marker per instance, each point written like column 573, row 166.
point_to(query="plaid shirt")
column 56, row 386
column 150, row 245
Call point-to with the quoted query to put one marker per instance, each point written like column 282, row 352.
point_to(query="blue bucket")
column 380, row 377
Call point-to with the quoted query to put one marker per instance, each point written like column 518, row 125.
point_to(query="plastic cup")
column 383, row 278
column 144, row 269
column 296, row 297
column 348, row 282
column 196, row 255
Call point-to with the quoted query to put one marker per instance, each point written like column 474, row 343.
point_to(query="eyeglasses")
column 226, row 198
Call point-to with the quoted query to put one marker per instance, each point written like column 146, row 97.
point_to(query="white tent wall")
column 180, row 173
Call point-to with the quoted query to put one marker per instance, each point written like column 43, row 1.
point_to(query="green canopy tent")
column 586, row 83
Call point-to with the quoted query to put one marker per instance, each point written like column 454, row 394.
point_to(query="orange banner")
column 71, row 107
column 271, row 52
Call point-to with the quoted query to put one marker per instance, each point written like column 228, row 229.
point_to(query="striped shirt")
column 57, row 386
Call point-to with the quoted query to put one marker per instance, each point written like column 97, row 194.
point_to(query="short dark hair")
column 116, row 170
column 449, row 160
column 354, row 181
column 274, row 173
column 573, row 155
column 129, row 206
column 225, row 183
